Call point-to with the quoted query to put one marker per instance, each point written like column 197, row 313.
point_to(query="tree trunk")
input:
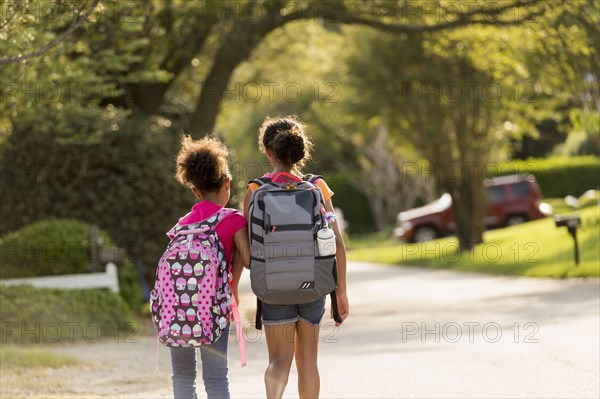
column 147, row 97
column 232, row 53
column 213, row 90
column 236, row 48
column 469, row 203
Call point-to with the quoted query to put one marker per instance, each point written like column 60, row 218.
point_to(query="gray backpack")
column 285, row 268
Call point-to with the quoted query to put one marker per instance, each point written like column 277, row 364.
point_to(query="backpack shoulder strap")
column 312, row 178
column 261, row 181
column 211, row 222
column 223, row 213
column 173, row 231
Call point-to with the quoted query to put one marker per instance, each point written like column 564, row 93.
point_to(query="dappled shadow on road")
column 393, row 308
column 405, row 323
column 405, row 290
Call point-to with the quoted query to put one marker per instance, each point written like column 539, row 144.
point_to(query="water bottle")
column 326, row 242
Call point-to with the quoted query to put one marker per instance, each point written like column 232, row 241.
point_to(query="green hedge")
column 353, row 203
column 46, row 248
column 60, row 246
column 558, row 176
column 31, row 314
column 122, row 181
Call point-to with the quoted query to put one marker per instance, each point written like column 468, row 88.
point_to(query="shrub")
column 353, row 203
column 558, row 176
column 129, row 286
column 46, row 248
column 31, row 314
column 122, row 181
column 60, row 246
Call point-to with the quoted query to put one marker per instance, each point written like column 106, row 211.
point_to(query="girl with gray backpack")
column 297, row 256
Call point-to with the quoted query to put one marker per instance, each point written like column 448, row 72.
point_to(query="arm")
column 246, row 243
column 340, row 254
column 237, row 269
column 247, row 205
column 241, row 259
column 242, row 247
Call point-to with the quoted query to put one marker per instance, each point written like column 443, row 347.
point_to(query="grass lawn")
column 28, row 371
column 12, row 357
column 535, row 249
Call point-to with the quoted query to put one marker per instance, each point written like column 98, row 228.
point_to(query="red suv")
column 512, row 200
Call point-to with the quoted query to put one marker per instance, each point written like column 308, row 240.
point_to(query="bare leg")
column 280, row 342
column 307, row 345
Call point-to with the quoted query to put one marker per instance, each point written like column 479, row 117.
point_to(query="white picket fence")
column 109, row 279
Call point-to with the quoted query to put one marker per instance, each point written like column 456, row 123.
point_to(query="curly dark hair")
column 202, row 164
column 286, row 139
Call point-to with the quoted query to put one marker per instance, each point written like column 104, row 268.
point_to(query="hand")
column 343, row 306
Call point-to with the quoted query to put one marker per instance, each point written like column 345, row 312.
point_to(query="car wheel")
column 515, row 220
column 425, row 233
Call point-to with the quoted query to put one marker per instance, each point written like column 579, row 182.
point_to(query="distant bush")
column 31, row 314
column 558, row 176
column 74, row 165
column 60, row 246
column 46, row 248
column 352, row 202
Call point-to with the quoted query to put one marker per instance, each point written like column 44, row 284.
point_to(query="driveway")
column 412, row 333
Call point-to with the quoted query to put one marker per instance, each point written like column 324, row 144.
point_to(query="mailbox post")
column 95, row 243
column 571, row 222
column 101, row 255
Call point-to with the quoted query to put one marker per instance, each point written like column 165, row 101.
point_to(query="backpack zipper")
column 288, row 227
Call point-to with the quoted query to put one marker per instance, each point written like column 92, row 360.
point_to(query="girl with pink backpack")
column 197, row 279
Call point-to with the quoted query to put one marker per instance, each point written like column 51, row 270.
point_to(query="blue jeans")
column 214, row 370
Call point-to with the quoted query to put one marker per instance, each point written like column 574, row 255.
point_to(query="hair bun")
column 286, row 140
column 288, row 147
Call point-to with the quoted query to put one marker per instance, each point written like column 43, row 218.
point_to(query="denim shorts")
column 311, row 313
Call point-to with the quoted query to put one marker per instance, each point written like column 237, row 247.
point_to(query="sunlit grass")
column 384, row 237
column 559, row 206
column 536, row 249
column 12, row 357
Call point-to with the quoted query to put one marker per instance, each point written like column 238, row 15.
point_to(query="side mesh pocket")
column 325, row 274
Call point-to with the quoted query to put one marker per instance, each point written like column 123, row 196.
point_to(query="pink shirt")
column 226, row 228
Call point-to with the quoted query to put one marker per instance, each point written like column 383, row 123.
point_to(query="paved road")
column 412, row 333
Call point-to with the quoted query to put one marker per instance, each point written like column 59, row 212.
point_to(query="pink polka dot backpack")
column 192, row 299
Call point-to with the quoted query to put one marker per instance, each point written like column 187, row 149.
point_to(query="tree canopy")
column 96, row 93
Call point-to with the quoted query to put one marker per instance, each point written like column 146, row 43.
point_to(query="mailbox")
column 114, row 255
column 571, row 222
